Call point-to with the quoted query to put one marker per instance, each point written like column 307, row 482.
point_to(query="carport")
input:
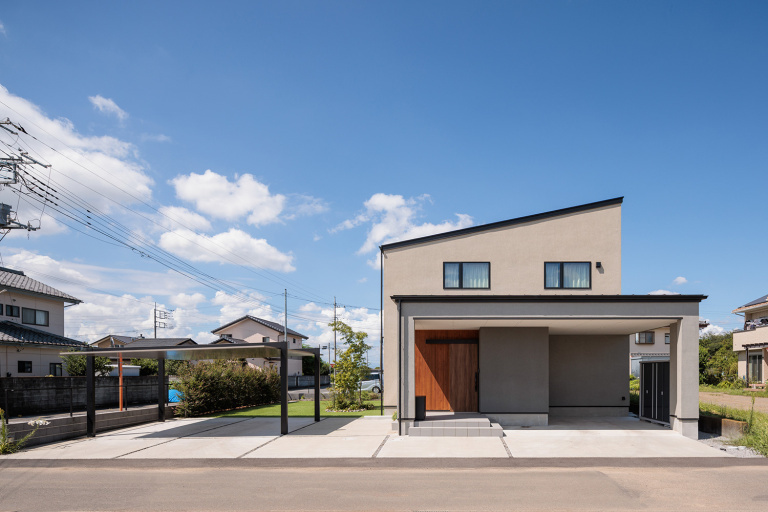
column 198, row 353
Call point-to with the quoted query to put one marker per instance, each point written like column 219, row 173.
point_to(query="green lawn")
column 304, row 408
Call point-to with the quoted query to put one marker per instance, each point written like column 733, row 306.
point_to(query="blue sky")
column 301, row 135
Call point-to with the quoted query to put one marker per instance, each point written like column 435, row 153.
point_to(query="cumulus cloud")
column 2, row 29
column 680, row 280
column 711, row 329
column 231, row 308
column 100, row 170
column 393, row 218
column 662, row 292
column 231, row 246
column 173, row 217
column 108, row 106
column 215, row 195
column 187, row 301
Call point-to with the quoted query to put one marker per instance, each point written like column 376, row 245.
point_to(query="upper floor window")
column 568, row 275
column 467, row 275
column 12, row 310
column 34, row 316
column 644, row 338
column 666, row 338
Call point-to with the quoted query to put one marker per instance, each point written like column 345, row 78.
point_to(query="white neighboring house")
column 646, row 347
column 32, row 326
column 250, row 329
column 751, row 343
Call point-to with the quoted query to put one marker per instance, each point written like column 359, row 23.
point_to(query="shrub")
column 75, row 365
column 223, row 385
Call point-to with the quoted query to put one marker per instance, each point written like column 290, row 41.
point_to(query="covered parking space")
column 521, row 359
column 198, row 353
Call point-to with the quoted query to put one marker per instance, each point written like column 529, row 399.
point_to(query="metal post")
column 71, row 398
column 747, row 365
column 317, row 385
column 90, row 397
column 7, row 413
column 381, row 328
column 284, row 389
column 161, row 393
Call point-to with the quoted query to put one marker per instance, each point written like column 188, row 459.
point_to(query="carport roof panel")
column 200, row 352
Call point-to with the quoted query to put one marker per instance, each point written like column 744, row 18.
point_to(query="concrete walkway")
column 369, row 437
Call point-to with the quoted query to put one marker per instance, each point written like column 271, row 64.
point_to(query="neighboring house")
column 648, row 346
column 112, row 341
column 524, row 318
column 751, row 343
column 250, row 329
column 32, row 326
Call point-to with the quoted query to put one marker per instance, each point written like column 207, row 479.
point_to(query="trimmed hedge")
column 223, row 385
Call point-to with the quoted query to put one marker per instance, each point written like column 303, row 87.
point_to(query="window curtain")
column 451, row 272
column 476, row 275
column 552, row 275
column 576, row 275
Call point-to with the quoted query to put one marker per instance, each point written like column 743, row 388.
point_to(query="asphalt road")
column 668, row 486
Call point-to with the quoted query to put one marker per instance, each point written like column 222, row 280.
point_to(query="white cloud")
column 203, row 337
column 231, row 246
column 98, row 170
column 215, row 195
column 711, row 329
column 146, row 137
column 680, row 280
column 360, row 319
column 300, row 205
column 187, row 301
column 362, row 280
column 108, row 106
column 2, row 29
column 662, row 292
column 393, row 218
column 174, row 217
column 232, row 308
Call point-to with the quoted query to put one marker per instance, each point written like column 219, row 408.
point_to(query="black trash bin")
column 421, row 408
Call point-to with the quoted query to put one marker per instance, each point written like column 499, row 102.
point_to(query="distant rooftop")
column 10, row 278
column 760, row 300
column 272, row 325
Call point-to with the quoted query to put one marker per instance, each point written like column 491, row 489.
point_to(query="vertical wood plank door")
column 462, row 362
column 445, row 373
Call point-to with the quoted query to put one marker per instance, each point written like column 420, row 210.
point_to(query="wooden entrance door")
column 447, row 369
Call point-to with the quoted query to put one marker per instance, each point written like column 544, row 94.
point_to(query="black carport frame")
column 197, row 353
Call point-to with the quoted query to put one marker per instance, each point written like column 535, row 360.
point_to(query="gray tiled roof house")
column 16, row 279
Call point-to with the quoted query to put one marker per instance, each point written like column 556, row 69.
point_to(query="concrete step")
column 455, row 429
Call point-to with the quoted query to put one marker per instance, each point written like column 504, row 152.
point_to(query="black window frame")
column 27, row 364
column 10, row 308
column 34, row 313
column 461, row 275
column 58, row 369
column 652, row 337
column 562, row 273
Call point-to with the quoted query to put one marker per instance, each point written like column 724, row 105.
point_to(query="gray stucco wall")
column 514, row 370
column 588, row 371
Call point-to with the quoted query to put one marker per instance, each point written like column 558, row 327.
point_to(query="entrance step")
column 456, row 427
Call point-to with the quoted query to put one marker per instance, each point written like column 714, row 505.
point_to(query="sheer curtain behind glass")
column 575, row 275
column 451, row 275
column 552, row 275
column 476, row 275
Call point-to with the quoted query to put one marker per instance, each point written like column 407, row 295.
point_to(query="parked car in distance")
column 371, row 382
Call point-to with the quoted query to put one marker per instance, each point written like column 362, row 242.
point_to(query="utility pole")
column 161, row 314
column 285, row 327
column 155, row 317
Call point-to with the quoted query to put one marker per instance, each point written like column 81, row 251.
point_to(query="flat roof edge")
column 505, row 223
column 548, row 298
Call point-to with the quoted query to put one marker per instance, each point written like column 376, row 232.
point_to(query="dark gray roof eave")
column 548, row 298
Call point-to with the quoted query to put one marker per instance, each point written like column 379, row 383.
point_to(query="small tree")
column 75, row 365
column 149, row 366
column 350, row 368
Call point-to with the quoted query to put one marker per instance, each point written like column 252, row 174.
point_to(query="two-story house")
column 32, row 326
column 250, row 329
column 751, row 343
column 524, row 318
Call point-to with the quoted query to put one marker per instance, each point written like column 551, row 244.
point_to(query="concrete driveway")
column 370, row 437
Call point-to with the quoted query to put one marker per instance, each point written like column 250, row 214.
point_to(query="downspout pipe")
column 381, row 326
column 399, row 371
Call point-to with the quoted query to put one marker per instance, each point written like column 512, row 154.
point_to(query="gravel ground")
column 725, row 444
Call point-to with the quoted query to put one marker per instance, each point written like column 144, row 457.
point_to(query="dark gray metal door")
column 654, row 387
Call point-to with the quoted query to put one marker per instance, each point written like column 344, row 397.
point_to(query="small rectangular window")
column 568, row 275
column 265, row 339
column 644, row 338
column 666, row 338
column 55, row 369
column 34, row 316
column 12, row 310
column 25, row 367
column 470, row 275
